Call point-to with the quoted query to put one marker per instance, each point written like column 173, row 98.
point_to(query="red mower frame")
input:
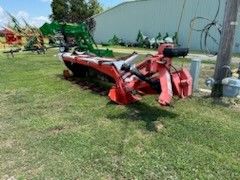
column 154, row 75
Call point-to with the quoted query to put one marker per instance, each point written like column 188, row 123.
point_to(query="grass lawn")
column 53, row 128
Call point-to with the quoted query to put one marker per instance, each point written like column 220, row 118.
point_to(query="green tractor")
column 74, row 35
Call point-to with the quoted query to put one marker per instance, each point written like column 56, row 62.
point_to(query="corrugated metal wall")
column 154, row 16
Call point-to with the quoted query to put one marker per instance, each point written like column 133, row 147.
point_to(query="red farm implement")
column 154, row 75
column 11, row 37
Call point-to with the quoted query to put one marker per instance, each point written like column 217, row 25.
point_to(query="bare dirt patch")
column 7, row 144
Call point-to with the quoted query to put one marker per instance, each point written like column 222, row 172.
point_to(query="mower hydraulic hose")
column 154, row 84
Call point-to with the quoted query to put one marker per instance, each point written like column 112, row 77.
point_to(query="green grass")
column 53, row 128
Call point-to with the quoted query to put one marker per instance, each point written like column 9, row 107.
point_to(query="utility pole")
column 226, row 45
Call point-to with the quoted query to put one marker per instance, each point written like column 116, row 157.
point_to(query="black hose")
column 205, row 32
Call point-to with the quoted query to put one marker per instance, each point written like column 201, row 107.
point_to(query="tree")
column 60, row 10
column 78, row 11
column 94, row 7
column 74, row 11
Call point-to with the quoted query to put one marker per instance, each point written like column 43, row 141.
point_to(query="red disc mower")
column 154, row 75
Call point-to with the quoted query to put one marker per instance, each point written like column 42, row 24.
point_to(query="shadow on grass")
column 135, row 112
column 227, row 102
column 222, row 102
column 141, row 111
column 95, row 86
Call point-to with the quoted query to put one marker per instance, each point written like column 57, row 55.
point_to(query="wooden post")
column 226, row 45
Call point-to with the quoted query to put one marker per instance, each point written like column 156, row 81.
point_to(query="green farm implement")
column 74, row 35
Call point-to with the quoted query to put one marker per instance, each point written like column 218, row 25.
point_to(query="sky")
column 36, row 12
